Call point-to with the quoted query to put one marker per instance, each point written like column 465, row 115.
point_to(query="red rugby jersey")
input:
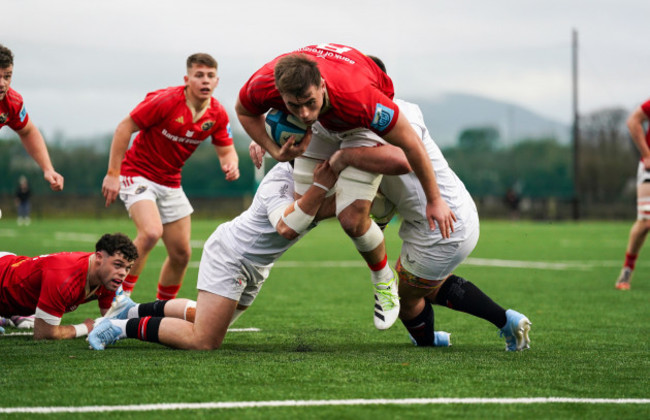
column 53, row 283
column 168, row 136
column 360, row 93
column 12, row 111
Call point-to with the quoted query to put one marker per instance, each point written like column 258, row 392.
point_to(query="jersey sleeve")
column 277, row 192
column 222, row 135
column 150, row 111
column 259, row 92
column 53, row 299
column 18, row 116
column 384, row 112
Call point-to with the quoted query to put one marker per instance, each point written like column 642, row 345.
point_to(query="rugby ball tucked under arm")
column 280, row 126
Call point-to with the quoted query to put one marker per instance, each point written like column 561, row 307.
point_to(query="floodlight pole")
column 576, row 130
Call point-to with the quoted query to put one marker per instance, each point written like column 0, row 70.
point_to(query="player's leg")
column 139, row 196
column 639, row 230
column 176, row 237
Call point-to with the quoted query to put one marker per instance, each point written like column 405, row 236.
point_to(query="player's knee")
column 354, row 219
column 180, row 256
column 149, row 236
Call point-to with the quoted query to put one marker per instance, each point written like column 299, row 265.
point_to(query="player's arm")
column 46, row 331
column 121, row 139
column 255, row 127
column 34, row 143
column 386, row 160
column 405, row 137
column 635, row 124
column 298, row 215
column 229, row 161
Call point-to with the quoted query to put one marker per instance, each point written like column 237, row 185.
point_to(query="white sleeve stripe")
column 52, row 320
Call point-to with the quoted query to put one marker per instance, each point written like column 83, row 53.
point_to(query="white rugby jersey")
column 251, row 235
column 405, row 191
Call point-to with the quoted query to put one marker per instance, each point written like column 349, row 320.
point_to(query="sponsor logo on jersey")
column 383, row 117
column 180, row 120
column 3, row 118
column 141, row 189
column 229, row 130
column 189, row 133
column 179, row 139
column 283, row 190
column 23, row 114
column 207, row 125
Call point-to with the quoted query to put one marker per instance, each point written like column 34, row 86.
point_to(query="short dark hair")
column 6, row 57
column 378, row 62
column 295, row 73
column 117, row 242
column 201, row 58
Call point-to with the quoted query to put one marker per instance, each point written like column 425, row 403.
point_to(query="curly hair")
column 117, row 242
column 6, row 57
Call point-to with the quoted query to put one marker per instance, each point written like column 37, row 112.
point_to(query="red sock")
column 129, row 283
column 167, row 292
column 630, row 260
column 380, row 265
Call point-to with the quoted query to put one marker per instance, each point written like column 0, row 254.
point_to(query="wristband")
column 80, row 330
column 319, row 185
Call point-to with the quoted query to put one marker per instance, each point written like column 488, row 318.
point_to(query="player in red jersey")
column 51, row 285
column 14, row 114
column 346, row 99
column 636, row 124
column 171, row 123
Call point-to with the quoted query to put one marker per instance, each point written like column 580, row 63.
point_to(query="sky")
column 82, row 65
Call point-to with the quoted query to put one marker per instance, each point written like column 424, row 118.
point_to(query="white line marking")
column 16, row 334
column 319, row 403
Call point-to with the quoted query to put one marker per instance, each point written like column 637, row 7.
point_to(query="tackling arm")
column 34, row 143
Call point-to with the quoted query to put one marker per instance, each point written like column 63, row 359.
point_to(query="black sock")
column 145, row 329
column 461, row 295
column 156, row 308
column 421, row 327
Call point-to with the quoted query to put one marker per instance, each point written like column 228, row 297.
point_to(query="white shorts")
column 4, row 254
column 642, row 202
column 436, row 262
column 228, row 275
column 172, row 203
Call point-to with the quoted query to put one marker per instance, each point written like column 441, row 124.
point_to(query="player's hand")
column 231, row 170
column 257, row 153
column 323, row 174
column 290, row 150
column 110, row 188
column 55, row 179
column 337, row 161
column 90, row 323
column 439, row 212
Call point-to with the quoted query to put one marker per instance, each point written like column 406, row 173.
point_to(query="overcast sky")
column 82, row 65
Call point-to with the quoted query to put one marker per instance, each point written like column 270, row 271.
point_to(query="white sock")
column 133, row 312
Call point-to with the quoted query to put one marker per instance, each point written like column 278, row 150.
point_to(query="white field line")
column 252, row 329
column 318, row 403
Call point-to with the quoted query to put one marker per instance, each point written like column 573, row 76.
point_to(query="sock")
column 144, row 329
column 129, row 283
column 121, row 324
column 167, row 292
column 461, row 295
column 421, row 327
column 380, row 271
column 156, row 308
column 630, row 260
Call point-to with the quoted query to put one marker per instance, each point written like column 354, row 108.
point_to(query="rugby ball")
column 280, row 126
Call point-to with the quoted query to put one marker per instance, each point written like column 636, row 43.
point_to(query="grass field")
column 317, row 343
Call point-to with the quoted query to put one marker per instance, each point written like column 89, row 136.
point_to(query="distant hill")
column 448, row 114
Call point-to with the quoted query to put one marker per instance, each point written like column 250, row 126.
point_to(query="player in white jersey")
column 427, row 260
column 236, row 260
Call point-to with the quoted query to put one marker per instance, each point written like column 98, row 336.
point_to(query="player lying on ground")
column 236, row 260
column 51, row 285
